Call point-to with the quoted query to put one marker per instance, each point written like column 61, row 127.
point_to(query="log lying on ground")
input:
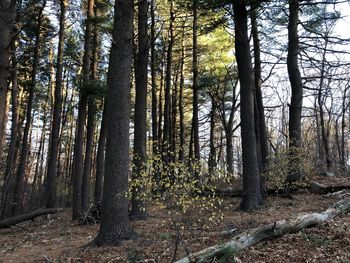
column 314, row 187
column 8, row 222
column 319, row 188
column 269, row 231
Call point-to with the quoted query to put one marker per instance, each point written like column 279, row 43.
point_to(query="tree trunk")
column 154, row 82
column 90, row 130
column 79, row 140
column 181, row 105
column 115, row 225
column 212, row 154
column 252, row 197
column 258, row 94
column 195, row 125
column 295, row 108
column 7, row 18
column 167, row 97
column 140, row 138
column 9, row 180
column 100, row 160
column 50, row 190
column 229, row 151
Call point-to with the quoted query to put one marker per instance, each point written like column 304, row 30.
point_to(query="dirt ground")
column 58, row 239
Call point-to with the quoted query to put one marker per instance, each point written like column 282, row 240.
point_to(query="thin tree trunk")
column 154, row 82
column 100, row 162
column 138, row 210
column 295, row 108
column 195, row 125
column 78, row 158
column 50, row 190
column 212, row 154
column 181, row 105
column 167, row 96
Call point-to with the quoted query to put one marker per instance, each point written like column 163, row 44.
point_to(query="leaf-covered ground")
column 58, row 239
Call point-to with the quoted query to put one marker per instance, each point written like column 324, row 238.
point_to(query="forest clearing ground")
column 58, row 239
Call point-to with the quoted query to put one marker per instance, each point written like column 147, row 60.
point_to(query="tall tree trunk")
column 9, row 179
column 79, row 140
column 320, row 104
column 258, row 94
column 296, row 104
column 115, row 225
column 252, row 197
column 181, row 105
column 140, row 138
column 167, row 96
column 7, row 18
column 154, row 82
column 195, row 125
column 20, row 178
column 50, row 189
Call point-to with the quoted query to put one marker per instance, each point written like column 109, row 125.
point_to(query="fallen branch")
column 273, row 230
column 8, row 222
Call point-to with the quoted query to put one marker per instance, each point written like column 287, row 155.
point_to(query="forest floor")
column 59, row 239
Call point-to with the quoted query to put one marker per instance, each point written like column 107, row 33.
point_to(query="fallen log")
column 313, row 187
column 8, row 222
column 273, row 230
column 319, row 188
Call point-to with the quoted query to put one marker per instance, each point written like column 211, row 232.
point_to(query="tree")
column 195, row 125
column 7, row 17
column 296, row 103
column 137, row 209
column 252, row 197
column 56, row 121
column 78, row 166
column 115, row 225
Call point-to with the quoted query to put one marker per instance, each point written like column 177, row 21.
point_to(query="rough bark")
column 273, row 230
column 115, row 225
column 50, row 191
column 252, row 197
